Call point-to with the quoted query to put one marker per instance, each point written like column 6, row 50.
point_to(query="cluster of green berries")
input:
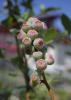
column 29, row 35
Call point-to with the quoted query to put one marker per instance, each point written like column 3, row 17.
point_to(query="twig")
column 45, row 81
column 50, row 91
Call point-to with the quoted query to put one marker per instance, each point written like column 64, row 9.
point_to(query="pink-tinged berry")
column 37, row 55
column 34, row 22
column 26, row 41
column 32, row 19
column 25, row 26
column 32, row 33
column 38, row 43
column 49, row 59
column 38, row 24
column 31, row 22
column 34, row 80
column 21, row 35
column 41, row 64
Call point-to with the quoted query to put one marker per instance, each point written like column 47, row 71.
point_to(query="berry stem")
column 45, row 81
column 50, row 91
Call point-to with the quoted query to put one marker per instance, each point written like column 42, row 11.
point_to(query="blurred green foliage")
column 66, row 22
column 45, row 10
column 50, row 35
column 1, row 54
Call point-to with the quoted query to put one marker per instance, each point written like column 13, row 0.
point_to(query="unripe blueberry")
column 34, row 80
column 38, row 43
column 49, row 59
column 38, row 24
column 25, row 26
column 21, row 35
column 37, row 55
column 32, row 22
column 41, row 64
column 32, row 34
column 26, row 41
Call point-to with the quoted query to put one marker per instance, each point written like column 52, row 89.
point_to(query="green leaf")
column 1, row 54
column 45, row 10
column 50, row 35
column 52, row 9
column 42, row 32
column 14, row 31
column 26, row 15
column 66, row 22
column 8, row 22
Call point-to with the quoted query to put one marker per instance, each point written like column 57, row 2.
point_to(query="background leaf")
column 50, row 35
column 25, row 15
column 52, row 9
column 8, row 22
column 45, row 10
column 66, row 22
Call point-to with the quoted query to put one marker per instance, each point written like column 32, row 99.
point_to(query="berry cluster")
column 29, row 35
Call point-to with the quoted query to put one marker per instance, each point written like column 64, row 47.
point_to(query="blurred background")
column 56, row 14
